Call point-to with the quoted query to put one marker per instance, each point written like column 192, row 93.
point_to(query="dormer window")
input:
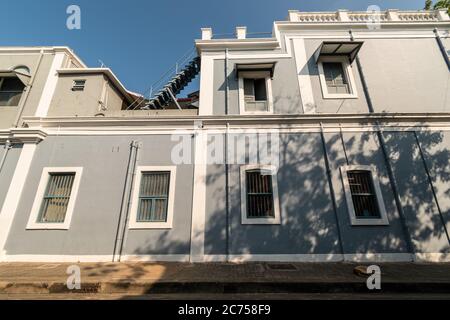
column 78, row 85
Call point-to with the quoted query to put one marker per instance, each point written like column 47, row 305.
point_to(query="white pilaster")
column 304, row 77
column 199, row 198
column 50, row 86
column 14, row 193
column 206, row 86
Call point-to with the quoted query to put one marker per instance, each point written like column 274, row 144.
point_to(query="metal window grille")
column 153, row 197
column 363, row 194
column 56, row 198
column 259, row 194
column 335, row 77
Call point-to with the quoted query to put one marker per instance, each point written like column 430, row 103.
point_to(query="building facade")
column 328, row 140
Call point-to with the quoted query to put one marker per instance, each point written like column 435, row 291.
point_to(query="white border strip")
column 12, row 199
column 304, row 76
column 50, row 86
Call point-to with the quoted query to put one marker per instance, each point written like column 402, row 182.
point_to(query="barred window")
column 335, row 77
column 363, row 194
column 56, row 198
column 153, row 197
column 259, row 194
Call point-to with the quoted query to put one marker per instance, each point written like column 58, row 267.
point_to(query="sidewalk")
column 162, row 278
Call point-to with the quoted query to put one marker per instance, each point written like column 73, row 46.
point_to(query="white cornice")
column 239, row 44
column 255, row 121
column 48, row 50
column 22, row 135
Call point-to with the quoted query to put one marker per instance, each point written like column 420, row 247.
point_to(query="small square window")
column 363, row 196
column 259, row 195
column 78, row 85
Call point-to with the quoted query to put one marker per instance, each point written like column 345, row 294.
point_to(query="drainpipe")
column 8, row 146
column 394, row 185
column 330, row 184
column 442, row 47
column 126, row 202
column 422, row 156
column 28, row 89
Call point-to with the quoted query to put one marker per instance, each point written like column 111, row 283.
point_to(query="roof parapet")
column 391, row 15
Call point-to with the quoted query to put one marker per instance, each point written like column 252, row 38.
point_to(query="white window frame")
column 276, row 202
column 33, row 224
column 383, row 220
column 348, row 73
column 133, row 223
column 255, row 75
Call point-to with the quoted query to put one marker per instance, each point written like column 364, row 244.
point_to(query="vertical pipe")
column 8, row 146
column 432, row 186
column 28, row 89
column 442, row 47
column 330, row 185
column 126, row 201
column 392, row 180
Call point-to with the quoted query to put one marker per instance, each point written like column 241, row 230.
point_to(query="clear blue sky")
column 139, row 40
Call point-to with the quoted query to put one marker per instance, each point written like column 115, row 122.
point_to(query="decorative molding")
column 367, row 17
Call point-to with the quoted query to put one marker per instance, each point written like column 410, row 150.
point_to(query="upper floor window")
column 255, row 92
column 259, row 195
column 78, row 85
column 336, row 78
column 363, row 196
column 55, row 198
column 11, row 89
column 153, row 198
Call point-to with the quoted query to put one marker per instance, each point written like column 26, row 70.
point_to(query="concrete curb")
column 170, row 287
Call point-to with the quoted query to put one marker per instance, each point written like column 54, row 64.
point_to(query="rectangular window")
column 11, row 89
column 153, row 197
column 78, row 85
column 363, row 194
column 335, row 78
column 56, row 198
column 255, row 95
column 259, row 194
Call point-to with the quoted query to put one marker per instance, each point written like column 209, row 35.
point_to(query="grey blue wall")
column 96, row 213
column 9, row 166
